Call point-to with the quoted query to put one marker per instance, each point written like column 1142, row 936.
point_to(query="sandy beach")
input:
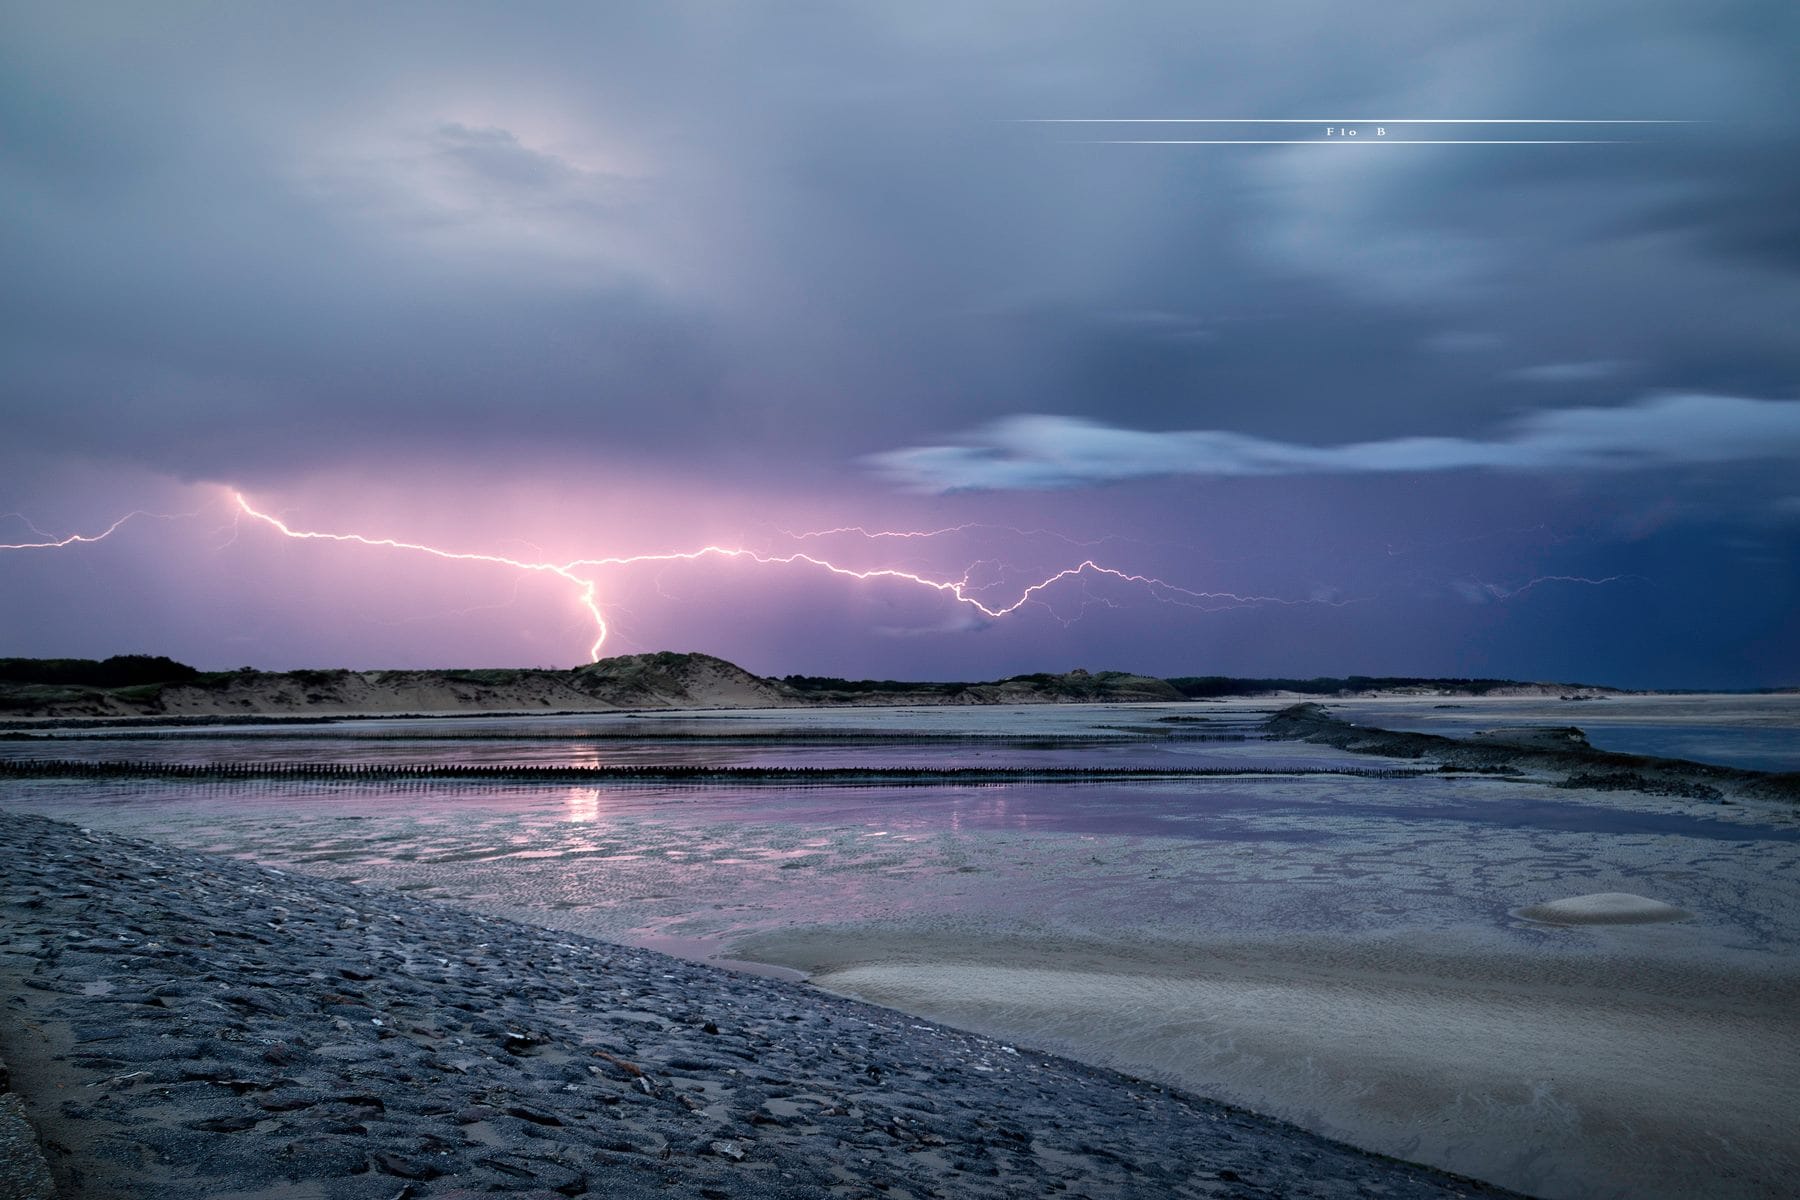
column 1454, row 969
column 1603, row 1076
column 184, row 1024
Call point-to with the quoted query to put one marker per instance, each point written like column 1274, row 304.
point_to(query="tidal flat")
column 1357, row 956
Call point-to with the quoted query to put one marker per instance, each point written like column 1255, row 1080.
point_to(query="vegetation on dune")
column 831, row 683
column 1198, row 687
column 658, row 660
column 140, row 682
column 1097, row 685
column 1075, row 685
column 486, row 675
column 318, row 678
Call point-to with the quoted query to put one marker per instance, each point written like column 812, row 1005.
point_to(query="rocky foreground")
column 185, row 1025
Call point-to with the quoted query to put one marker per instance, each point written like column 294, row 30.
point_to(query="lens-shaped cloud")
column 1047, row 452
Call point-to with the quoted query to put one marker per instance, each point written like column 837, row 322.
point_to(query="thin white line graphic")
column 1345, row 121
column 1357, row 130
column 1354, row 141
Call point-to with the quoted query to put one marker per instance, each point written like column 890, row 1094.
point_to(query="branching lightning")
column 963, row 590
column 52, row 542
column 874, row 535
column 974, row 589
column 1499, row 592
column 585, row 589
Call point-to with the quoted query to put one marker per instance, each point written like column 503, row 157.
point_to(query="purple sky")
column 590, row 282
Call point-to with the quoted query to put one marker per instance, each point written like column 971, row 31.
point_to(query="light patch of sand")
column 1535, row 1073
column 1604, row 908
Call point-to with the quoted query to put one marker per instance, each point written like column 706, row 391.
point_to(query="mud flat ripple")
column 182, row 1024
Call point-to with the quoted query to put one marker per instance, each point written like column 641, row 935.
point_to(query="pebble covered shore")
column 188, row 1025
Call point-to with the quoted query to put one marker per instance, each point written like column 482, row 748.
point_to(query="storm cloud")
column 682, row 271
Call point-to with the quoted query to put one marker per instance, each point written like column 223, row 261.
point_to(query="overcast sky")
column 574, row 282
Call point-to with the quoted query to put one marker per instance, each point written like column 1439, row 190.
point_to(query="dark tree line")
column 121, row 670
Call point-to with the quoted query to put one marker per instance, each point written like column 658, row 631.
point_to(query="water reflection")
column 584, row 805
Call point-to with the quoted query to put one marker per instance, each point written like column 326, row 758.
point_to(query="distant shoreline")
column 158, row 689
column 1555, row 750
column 1560, row 754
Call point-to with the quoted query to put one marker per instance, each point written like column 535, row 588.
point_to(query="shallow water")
column 1340, row 951
column 1761, row 733
column 897, row 738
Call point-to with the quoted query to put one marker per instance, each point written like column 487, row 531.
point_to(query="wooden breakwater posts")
column 849, row 737
column 372, row 773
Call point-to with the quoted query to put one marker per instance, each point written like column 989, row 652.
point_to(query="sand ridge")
column 1604, row 908
column 1390, row 1044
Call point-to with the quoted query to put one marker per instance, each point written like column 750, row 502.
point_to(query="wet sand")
column 1610, row 1072
column 186, row 1025
column 1357, row 955
column 1761, row 732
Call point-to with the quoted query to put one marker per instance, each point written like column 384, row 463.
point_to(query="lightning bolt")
column 1160, row 589
column 958, row 589
column 973, row 589
column 1503, row 593
column 922, row 534
column 53, row 542
column 585, row 589
column 872, row 534
column 962, row 590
